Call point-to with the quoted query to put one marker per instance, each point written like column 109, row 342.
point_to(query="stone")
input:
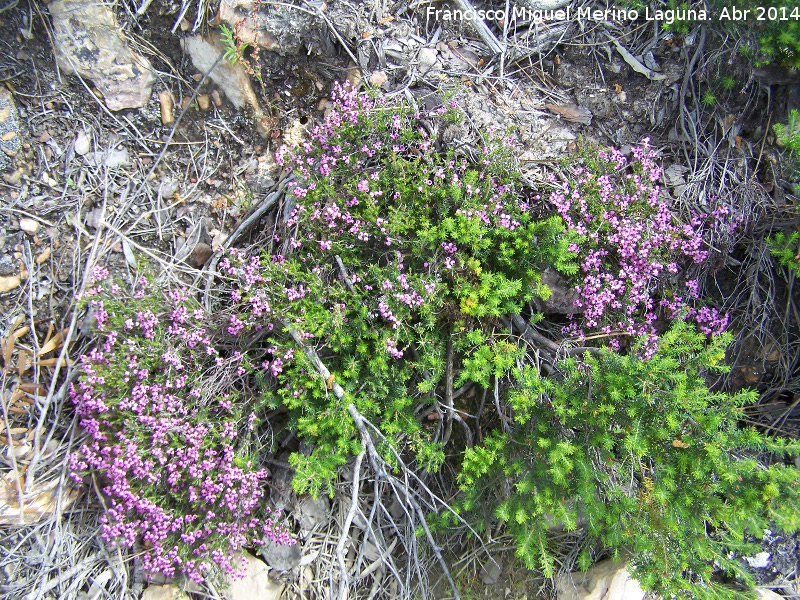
column 8, row 266
column 29, row 226
column 563, row 296
column 256, row 584
column 295, row 134
column 767, row 594
column 491, row 570
column 427, row 59
column 280, row 28
column 378, row 78
column 9, row 283
column 167, row 188
column 204, row 102
column 312, row 512
column 89, row 43
column 606, row 580
column 10, row 140
column 281, row 558
column 675, row 175
column 163, row 592
column 572, row 113
column 82, row 143
column 759, row 561
column 165, row 105
column 233, row 80
column 200, row 255
column 111, row 158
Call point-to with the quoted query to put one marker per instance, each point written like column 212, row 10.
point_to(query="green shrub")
column 789, row 138
column 786, row 249
column 433, row 249
column 642, row 456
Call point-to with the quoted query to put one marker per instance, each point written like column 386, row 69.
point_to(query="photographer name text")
column 587, row 13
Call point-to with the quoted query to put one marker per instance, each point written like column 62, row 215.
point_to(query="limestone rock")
column 111, row 158
column 491, row 570
column 675, row 175
column 378, row 78
column 607, row 580
column 427, row 59
column 89, row 44
column 256, row 584
column 163, row 592
column 232, row 79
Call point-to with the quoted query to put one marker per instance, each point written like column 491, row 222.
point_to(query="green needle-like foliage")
column 646, row 459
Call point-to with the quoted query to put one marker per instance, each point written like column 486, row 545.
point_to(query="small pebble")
column 29, row 226
column 82, row 143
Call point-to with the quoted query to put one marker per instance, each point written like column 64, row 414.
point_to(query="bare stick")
column 483, row 30
column 346, row 527
column 448, row 391
column 345, row 276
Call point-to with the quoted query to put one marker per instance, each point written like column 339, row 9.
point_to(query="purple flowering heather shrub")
column 630, row 247
column 171, row 456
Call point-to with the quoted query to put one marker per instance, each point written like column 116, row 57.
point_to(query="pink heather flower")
column 99, row 273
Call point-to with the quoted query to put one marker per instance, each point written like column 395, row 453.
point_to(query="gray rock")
column 427, row 59
column 312, row 512
column 281, row 558
column 29, row 226
column 675, row 175
column 759, row 561
column 491, row 570
column 8, row 266
column 89, row 44
column 167, row 188
column 563, row 297
column 767, row 594
column 280, row 28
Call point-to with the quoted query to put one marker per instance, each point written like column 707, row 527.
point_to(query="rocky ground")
column 125, row 133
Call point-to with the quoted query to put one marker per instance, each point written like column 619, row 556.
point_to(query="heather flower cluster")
column 631, row 248
column 174, row 465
